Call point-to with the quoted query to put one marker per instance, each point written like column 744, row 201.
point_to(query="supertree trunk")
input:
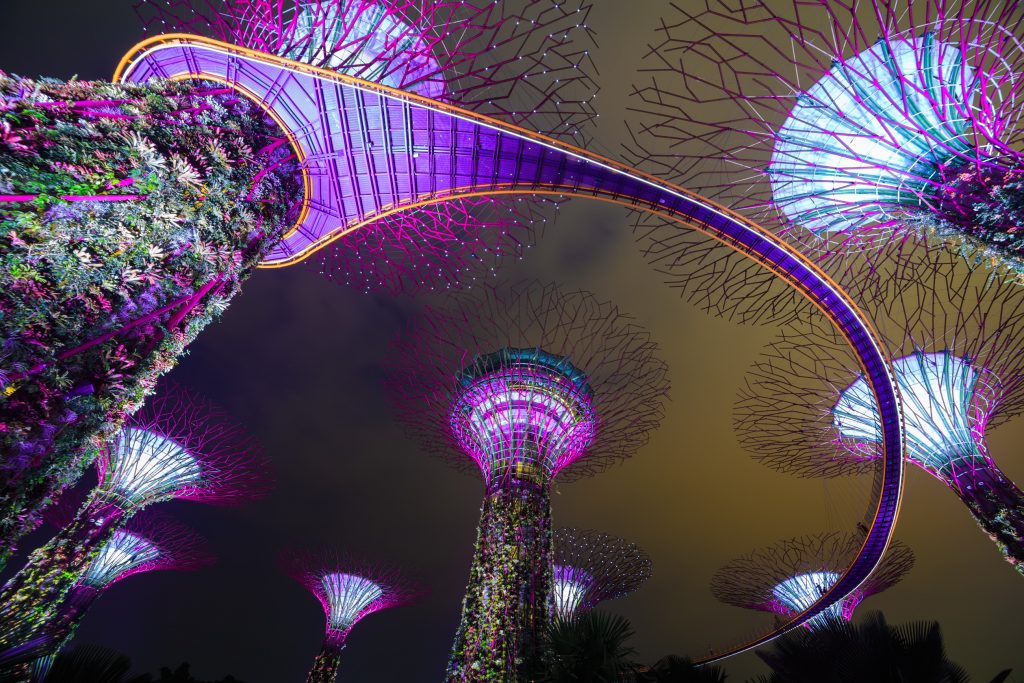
column 325, row 666
column 508, row 599
column 998, row 508
column 32, row 602
column 982, row 213
column 129, row 217
column 78, row 602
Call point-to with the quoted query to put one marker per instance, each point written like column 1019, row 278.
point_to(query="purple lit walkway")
column 369, row 151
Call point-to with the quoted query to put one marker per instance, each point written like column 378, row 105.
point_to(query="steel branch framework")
column 349, row 590
column 525, row 62
column 149, row 542
column 591, row 567
column 179, row 446
column 787, row 577
column 840, row 125
column 524, row 384
column 955, row 336
column 626, row 381
column 182, row 445
column 389, row 151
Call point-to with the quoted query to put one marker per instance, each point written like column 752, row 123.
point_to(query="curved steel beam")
column 368, row 151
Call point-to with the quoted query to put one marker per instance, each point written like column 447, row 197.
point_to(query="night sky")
column 300, row 360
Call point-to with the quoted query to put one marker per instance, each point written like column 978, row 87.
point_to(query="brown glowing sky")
column 299, row 360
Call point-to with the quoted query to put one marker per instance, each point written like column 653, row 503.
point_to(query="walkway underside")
column 369, row 151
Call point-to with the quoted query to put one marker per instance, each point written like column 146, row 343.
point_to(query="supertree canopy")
column 591, row 567
column 348, row 590
column 149, row 542
column 523, row 413
column 527, row 62
column 844, row 123
column 179, row 446
column 790, row 576
column 943, row 399
column 522, row 385
column 956, row 342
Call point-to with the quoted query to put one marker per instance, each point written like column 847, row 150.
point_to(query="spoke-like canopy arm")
column 368, row 151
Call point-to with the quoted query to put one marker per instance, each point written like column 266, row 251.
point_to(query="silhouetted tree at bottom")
column 183, row 674
column 871, row 650
column 673, row 669
column 94, row 664
column 588, row 648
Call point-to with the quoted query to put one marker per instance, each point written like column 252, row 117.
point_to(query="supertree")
column 591, row 567
column 522, row 384
column 349, row 590
column 956, row 340
column 179, row 446
column 149, row 542
column 527, row 62
column 132, row 213
column 843, row 125
column 788, row 577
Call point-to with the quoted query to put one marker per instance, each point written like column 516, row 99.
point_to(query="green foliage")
column 326, row 665
column 673, row 669
column 981, row 213
column 183, row 674
column 508, row 598
column 868, row 651
column 588, row 648
column 998, row 511
column 94, row 664
column 32, row 601
column 96, row 297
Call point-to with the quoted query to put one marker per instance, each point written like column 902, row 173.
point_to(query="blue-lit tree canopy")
column 799, row 592
column 872, row 136
column 944, row 410
column 844, row 125
column 788, row 577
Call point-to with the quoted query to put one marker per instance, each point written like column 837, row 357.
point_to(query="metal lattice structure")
column 441, row 246
column 149, row 542
column 525, row 62
column 621, row 381
column 522, row 413
column 955, row 337
column 181, row 446
column 523, row 384
column 348, row 590
column 842, row 126
column 787, row 577
column 591, row 567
